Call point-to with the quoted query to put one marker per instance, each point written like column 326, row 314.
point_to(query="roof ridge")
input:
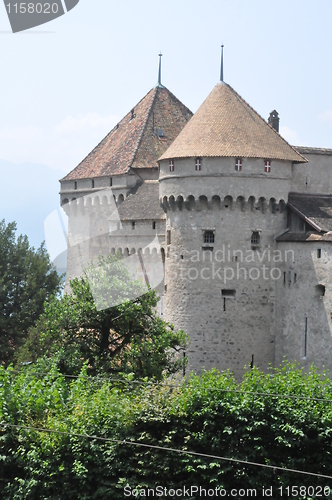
column 144, row 126
column 266, row 123
column 107, row 135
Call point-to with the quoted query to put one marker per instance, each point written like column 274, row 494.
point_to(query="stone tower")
column 112, row 197
column 224, row 185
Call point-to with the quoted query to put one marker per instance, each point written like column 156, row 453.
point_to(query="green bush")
column 211, row 414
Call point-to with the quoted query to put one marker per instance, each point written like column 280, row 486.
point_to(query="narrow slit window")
column 133, row 225
column 267, row 166
column 153, row 225
column 111, row 181
column 198, row 164
column 93, row 183
column 319, row 253
column 238, row 164
column 305, row 337
column 208, row 237
column 75, row 185
column 168, row 237
column 171, row 165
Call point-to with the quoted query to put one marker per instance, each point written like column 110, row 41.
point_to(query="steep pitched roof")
column 315, row 209
column 138, row 139
column 142, row 203
column 225, row 125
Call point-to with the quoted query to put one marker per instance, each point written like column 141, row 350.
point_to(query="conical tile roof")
column 138, row 139
column 226, row 126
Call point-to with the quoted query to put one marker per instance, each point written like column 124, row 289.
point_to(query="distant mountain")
column 29, row 194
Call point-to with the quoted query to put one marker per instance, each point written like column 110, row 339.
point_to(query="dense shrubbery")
column 210, row 414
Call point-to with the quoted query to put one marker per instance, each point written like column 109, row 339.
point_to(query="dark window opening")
column 153, row 225
column 111, row 181
column 306, row 337
column 168, row 237
column 319, row 253
column 75, row 185
column 93, row 183
column 255, row 239
column 133, row 224
column 208, row 237
column 320, row 290
column 228, row 293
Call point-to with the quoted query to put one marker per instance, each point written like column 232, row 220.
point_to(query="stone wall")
column 304, row 305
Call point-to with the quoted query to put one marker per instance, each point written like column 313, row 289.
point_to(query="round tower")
column 224, row 184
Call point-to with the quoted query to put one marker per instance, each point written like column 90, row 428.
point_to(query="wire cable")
column 162, row 448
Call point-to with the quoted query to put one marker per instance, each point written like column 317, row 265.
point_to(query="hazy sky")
column 63, row 89
column 65, row 84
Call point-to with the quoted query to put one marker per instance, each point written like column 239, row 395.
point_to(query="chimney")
column 274, row 120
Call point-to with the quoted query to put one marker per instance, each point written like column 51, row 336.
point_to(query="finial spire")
column 222, row 64
column 159, row 72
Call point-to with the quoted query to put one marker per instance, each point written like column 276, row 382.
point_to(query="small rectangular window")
column 75, row 185
column 238, row 164
column 168, row 240
column 319, row 253
column 93, row 183
column 133, row 225
column 111, row 181
column 208, row 237
column 255, row 239
column 171, row 165
column 198, row 164
column 153, row 225
column 228, row 293
column 267, row 166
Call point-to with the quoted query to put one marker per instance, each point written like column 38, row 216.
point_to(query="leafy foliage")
column 27, row 280
column 258, row 420
column 128, row 337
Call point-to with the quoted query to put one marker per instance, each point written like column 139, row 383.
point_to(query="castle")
column 238, row 221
